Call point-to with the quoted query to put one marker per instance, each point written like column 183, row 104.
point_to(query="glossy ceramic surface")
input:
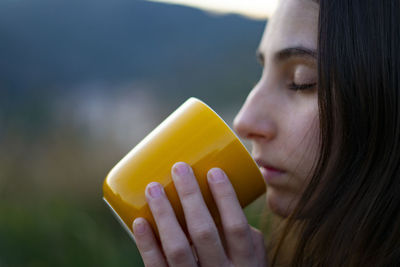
column 195, row 134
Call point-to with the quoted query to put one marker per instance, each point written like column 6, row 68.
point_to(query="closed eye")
column 298, row 87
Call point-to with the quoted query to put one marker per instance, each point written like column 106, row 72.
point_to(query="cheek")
column 304, row 144
column 301, row 144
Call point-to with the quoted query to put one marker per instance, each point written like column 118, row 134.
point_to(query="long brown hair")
column 349, row 214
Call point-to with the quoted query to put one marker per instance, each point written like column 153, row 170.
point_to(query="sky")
column 255, row 9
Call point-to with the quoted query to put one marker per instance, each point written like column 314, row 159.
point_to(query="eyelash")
column 298, row 87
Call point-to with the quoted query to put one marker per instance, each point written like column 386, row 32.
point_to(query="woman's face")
column 280, row 115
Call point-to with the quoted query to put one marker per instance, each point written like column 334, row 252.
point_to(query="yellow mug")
column 194, row 134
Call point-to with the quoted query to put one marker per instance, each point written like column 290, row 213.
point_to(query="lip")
column 270, row 173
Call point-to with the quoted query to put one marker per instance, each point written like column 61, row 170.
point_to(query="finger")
column 174, row 242
column 259, row 244
column 201, row 226
column 237, row 233
column 147, row 244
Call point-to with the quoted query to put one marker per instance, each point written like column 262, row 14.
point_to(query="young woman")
column 324, row 121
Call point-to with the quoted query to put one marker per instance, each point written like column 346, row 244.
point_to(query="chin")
column 279, row 203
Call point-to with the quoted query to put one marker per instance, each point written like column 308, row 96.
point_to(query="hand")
column 242, row 245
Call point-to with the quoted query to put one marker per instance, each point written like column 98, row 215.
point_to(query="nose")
column 255, row 119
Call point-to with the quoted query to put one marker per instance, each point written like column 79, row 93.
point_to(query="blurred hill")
column 53, row 44
column 51, row 49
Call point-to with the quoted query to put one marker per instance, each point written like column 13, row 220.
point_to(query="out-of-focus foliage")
column 62, row 234
column 82, row 82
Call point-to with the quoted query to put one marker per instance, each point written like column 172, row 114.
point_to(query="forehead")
column 295, row 23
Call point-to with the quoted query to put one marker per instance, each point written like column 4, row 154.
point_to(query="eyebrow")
column 290, row 52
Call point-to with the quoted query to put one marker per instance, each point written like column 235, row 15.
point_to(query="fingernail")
column 139, row 226
column 181, row 168
column 216, row 175
column 155, row 190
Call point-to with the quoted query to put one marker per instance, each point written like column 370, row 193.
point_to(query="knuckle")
column 150, row 260
column 223, row 190
column 144, row 247
column 203, row 235
column 238, row 230
column 178, row 254
column 160, row 211
column 188, row 191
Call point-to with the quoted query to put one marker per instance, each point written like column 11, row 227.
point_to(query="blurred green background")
column 82, row 82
